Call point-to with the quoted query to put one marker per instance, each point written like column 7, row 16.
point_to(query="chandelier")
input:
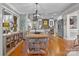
column 35, row 15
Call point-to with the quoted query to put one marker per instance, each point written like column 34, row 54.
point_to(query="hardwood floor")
column 57, row 47
column 18, row 51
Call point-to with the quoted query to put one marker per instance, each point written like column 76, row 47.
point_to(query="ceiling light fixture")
column 35, row 15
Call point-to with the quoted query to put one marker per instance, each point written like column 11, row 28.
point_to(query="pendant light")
column 35, row 15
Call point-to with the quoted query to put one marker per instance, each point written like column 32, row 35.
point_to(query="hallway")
column 39, row 29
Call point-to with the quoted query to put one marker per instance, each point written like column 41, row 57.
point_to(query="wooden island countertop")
column 37, row 36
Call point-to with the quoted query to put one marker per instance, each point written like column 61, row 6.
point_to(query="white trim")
column 12, row 7
column 1, row 38
column 9, row 10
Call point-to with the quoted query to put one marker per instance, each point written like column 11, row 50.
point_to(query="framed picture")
column 51, row 23
column 73, row 22
column 45, row 23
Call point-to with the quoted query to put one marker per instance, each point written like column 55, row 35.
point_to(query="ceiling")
column 44, row 9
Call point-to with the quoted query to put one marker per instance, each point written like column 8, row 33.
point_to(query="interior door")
column 60, row 28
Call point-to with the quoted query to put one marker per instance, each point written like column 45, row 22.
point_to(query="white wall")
column 73, row 10
column 72, row 33
column 22, row 22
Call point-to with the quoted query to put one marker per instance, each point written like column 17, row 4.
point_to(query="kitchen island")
column 37, row 44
